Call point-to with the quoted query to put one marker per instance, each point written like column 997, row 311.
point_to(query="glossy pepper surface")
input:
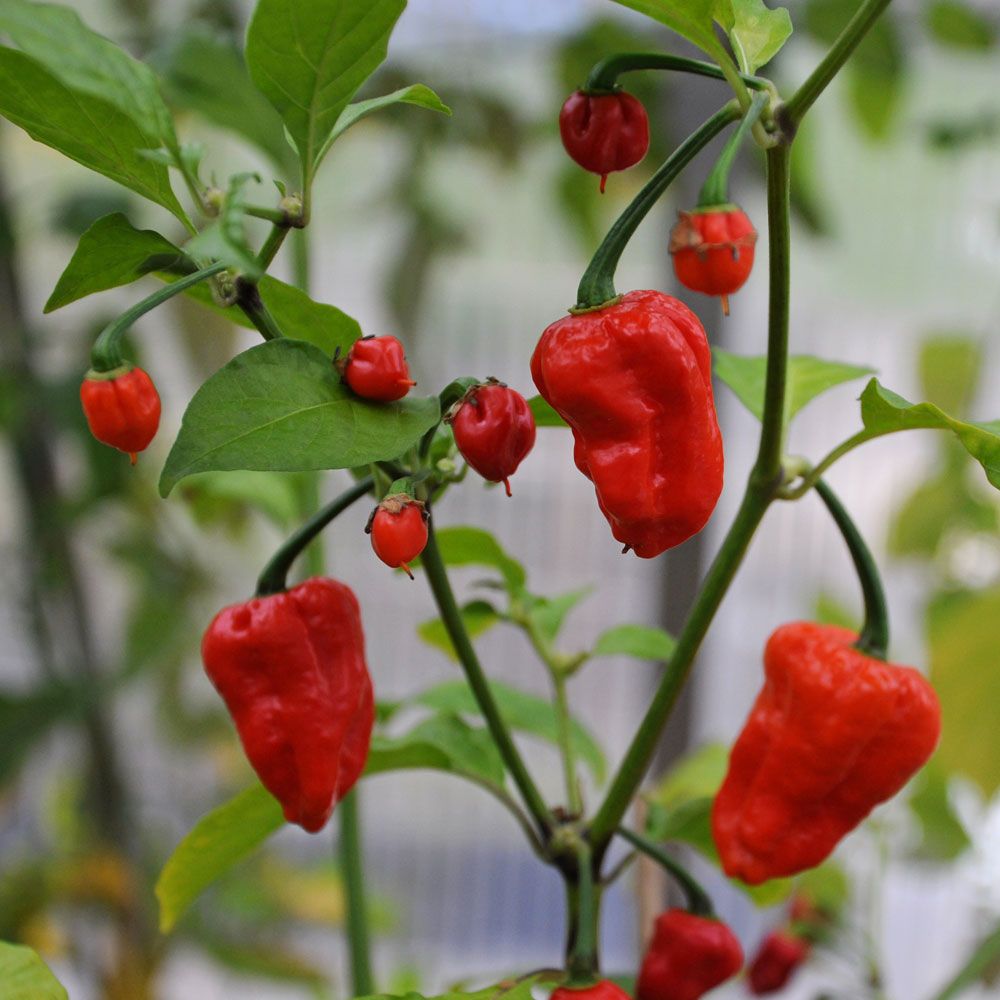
column 604, row 132
column 688, row 956
column 398, row 529
column 603, row 989
column 833, row 733
column 291, row 670
column 633, row 380
column 713, row 250
column 494, row 430
column 376, row 369
column 122, row 408
column 780, row 954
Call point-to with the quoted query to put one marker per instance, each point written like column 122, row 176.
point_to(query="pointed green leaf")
column 641, row 641
column 756, row 32
column 25, row 976
column 281, row 407
column 960, row 26
column 547, row 614
column 691, row 19
column 474, row 547
column 477, row 616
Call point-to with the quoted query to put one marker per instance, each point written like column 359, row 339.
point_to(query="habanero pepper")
column 398, row 529
column 779, row 955
column 291, row 669
column 603, row 989
column 375, row 368
column 122, row 408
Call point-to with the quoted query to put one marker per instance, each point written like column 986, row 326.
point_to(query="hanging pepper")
column 604, row 132
column 291, row 669
column 688, row 956
column 398, row 529
column 633, row 380
column 122, row 408
column 833, row 733
column 375, row 368
column 494, row 430
column 603, row 989
column 780, row 954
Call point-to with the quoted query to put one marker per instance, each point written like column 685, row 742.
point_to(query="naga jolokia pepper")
column 291, row 669
column 122, row 408
column 688, row 956
column 633, row 381
column 833, row 733
column 603, row 989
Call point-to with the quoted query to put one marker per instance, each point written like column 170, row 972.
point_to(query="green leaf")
column 475, row 547
column 543, row 413
column 960, row 26
column 808, row 377
column 524, row 712
column 950, row 367
column 442, row 743
column 280, row 406
column 82, row 127
column 547, row 614
column 641, row 641
column 979, row 969
column 478, row 617
column 25, row 976
column 309, row 59
column 112, row 252
column 226, row 239
column 274, row 494
column 691, row 19
column 876, row 78
column 944, row 837
column 756, row 32
column 262, row 959
column 217, row 842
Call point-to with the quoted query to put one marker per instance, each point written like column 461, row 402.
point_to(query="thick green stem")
column 802, row 100
column 106, row 354
column 565, row 739
column 249, row 300
column 874, row 638
column 437, row 577
column 275, row 238
column 597, row 286
column 583, row 899
column 352, row 867
column 715, row 190
column 698, row 901
column 603, row 78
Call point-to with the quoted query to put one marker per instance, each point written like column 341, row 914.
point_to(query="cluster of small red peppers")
column 122, row 408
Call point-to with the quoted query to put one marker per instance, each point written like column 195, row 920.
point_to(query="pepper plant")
column 628, row 376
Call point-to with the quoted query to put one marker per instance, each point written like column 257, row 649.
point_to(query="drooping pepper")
column 603, row 989
column 688, row 956
column 375, row 368
column 779, row 955
column 122, row 408
column 633, row 381
column 291, row 669
column 398, row 529
column 833, row 733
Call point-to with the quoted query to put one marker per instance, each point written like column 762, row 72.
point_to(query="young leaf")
column 544, row 415
column 112, row 252
column 641, row 641
column 547, row 614
column 691, row 19
column 25, row 976
column 960, row 26
column 281, row 407
column 217, row 842
column 475, row 547
column 756, row 32
column 309, row 59
column 477, row 616
column 82, row 127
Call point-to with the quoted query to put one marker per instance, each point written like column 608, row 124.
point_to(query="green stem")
column 597, row 287
column 437, row 577
column 275, row 215
column 273, row 578
column 698, row 901
column 848, row 40
column 564, row 735
column 874, row 638
column 272, row 245
column 105, row 356
column 583, row 909
column 715, row 190
column 249, row 300
column 810, row 478
column 765, row 477
column 352, row 867
column 603, row 78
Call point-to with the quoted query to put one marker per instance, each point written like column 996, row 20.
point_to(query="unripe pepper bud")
column 398, row 528
column 604, row 132
column 375, row 368
column 713, row 250
column 603, row 989
column 779, row 956
column 494, row 430
column 122, row 408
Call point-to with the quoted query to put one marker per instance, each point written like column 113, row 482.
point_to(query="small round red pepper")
column 833, row 733
column 494, row 430
column 291, row 670
column 633, row 380
column 122, row 408
column 604, row 132
column 780, row 954
column 376, row 368
column 398, row 528
column 713, row 250
column 688, row 956
column 603, row 989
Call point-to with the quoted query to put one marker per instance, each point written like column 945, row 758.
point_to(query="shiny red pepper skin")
column 494, row 430
column 398, row 529
column 291, row 670
column 713, row 251
column 688, row 956
column 376, row 369
column 633, row 380
column 833, row 733
column 122, row 411
column 604, row 132
column 780, row 954
column 603, row 989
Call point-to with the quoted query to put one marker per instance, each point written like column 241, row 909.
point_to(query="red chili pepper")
column 713, row 250
column 376, row 368
column 833, row 733
column 780, row 954
column 604, row 132
column 494, row 430
column 291, row 670
column 688, row 956
column 633, row 380
column 122, row 408
column 603, row 989
column 398, row 527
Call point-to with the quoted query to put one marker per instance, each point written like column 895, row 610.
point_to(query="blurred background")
column 466, row 237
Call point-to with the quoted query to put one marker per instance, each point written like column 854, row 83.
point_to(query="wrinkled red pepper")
column 833, row 733
column 291, row 670
column 633, row 380
column 375, row 368
column 122, row 408
column 780, row 954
